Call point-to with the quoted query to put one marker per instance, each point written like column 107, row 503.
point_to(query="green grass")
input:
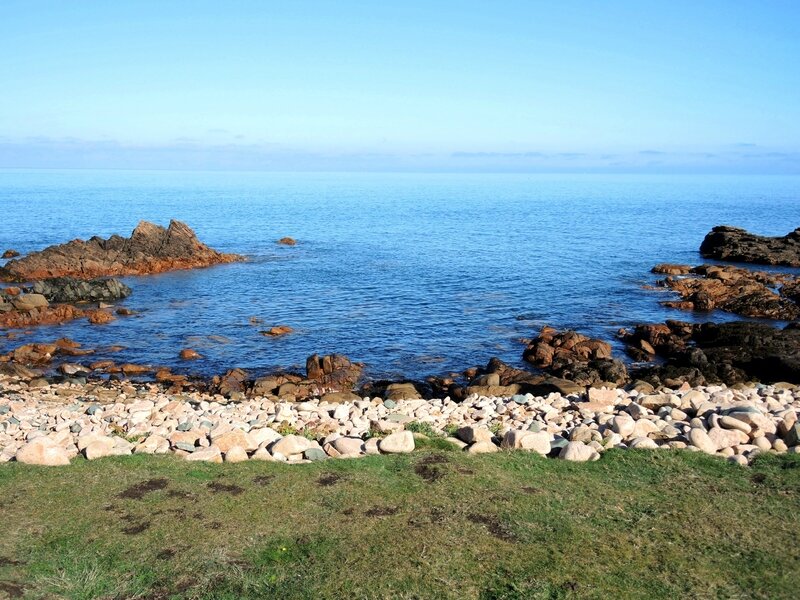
column 435, row 524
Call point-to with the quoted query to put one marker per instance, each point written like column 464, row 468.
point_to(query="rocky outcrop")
column 734, row 244
column 150, row 249
column 710, row 353
column 10, row 253
column 734, row 289
column 71, row 290
column 48, row 315
column 575, row 357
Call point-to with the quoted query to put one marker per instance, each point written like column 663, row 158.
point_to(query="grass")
column 435, row 524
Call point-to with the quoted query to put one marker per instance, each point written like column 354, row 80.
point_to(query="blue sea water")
column 413, row 274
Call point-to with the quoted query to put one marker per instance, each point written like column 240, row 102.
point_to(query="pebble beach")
column 54, row 423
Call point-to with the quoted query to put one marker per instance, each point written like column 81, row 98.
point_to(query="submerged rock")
column 734, row 244
column 150, row 249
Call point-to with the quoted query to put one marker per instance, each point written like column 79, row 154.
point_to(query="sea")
column 411, row 274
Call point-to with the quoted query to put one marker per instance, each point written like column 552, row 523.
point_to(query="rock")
column 578, row 452
column 643, row 443
column 738, row 245
column 401, row 391
column 153, row 444
column 574, row 357
column 34, row 354
column 726, row 438
column 727, row 353
column 737, row 290
column 669, row 269
column 233, row 438
column 10, row 254
column 728, row 422
column 290, row 445
column 348, row 445
column 99, row 447
column 72, row 290
column 472, row 434
column 40, row 316
column 527, row 440
column 333, row 372
column 401, row 442
column 699, row 438
column 483, row 447
column 100, row 317
column 277, row 331
column 150, row 249
column 287, row 241
column 28, row 302
column 42, row 451
column 623, row 425
column 315, row 454
column 235, row 454
column 655, row 401
column 189, row 354
column 792, row 436
column 231, row 382
column 210, row 454
column 340, row 397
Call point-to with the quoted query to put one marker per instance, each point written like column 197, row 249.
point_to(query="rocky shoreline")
column 575, row 381
column 51, row 424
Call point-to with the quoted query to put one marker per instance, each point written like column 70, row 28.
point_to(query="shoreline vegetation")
column 433, row 524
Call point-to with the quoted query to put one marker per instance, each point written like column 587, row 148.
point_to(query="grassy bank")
column 435, row 524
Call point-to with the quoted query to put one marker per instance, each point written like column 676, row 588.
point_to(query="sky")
column 618, row 86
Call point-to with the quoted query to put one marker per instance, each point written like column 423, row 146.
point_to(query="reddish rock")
column 287, row 241
column 131, row 369
column 150, row 249
column 737, row 290
column 232, row 381
column 12, row 291
column 189, row 354
column 10, row 254
column 63, row 343
column 101, row 365
column 670, row 269
column 100, row 317
column 40, row 316
column 333, row 372
column 277, row 331
column 34, row 354
column 575, row 357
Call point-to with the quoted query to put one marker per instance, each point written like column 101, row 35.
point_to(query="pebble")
column 79, row 416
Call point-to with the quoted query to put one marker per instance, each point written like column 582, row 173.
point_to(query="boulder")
column 42, row 451
column 28, row 302
column 471, row 434
column 482, row 448
column 210, row 454
column 401, row 442
column 290, row 445
column 578, row 452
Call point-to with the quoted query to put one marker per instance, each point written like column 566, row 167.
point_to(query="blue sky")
column 354, row 85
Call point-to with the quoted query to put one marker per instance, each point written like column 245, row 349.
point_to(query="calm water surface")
column 413, row 274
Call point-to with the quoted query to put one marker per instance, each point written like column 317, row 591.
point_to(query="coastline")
column 54, row 423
